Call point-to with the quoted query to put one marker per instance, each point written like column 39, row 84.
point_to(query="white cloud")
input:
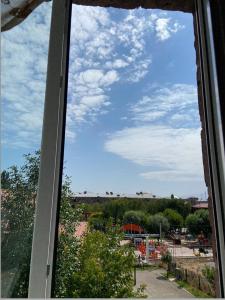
column 173, row 104
column 171, row 175
column 102, row 51
column 164, row 28
column 24, row 66
column 168, row 152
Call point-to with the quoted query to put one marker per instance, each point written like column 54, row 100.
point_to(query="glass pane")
column 24, row 67
column 134, row 212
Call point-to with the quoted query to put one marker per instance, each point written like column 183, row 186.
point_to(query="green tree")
column 166, row 257
column 174, row 218
column 199, row 222
column 105, row 267
column 153, row 224
column 17, row 213
column 97, row 222
column 114, row 209
column 68, row 245
column 135, row 217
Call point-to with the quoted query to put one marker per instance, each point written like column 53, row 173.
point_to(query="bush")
column 209, row 273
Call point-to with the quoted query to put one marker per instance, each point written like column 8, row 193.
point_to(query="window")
column 54, row 125
column 24, row 69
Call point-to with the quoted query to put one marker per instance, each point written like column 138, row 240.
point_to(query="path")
column 158, row 286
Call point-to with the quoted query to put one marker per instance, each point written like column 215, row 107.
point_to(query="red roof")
column 132, row 228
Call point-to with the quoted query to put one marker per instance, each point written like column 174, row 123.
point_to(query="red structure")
column 132, row 228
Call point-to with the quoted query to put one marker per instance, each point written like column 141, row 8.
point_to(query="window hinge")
column 48, row 270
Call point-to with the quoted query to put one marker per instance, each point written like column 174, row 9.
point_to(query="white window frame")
column 50, row 177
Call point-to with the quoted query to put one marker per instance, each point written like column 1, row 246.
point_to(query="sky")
column 132, row 112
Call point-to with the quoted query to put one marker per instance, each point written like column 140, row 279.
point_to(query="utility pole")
column 147, row 249
column 160, row 231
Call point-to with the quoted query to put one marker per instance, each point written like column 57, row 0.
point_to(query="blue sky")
column 132, row 117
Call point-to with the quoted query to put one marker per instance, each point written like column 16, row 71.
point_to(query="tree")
column 5, row 180
column 105, row 267
column 17, row 212
column 154, row 221
column 114, row 209
column 68, row 245
column 135, row 217
column 166, row 257
column 97, row 222
column 174, row 218
column 199, row 222
column 172, row 196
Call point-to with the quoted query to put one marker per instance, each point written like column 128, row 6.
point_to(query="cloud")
column 164, row 28
column 24, row 65
column 169, row 153
column 105, row 49
column 175, row 105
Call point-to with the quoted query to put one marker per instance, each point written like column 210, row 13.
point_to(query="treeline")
column 116, row 208
column 151, row 215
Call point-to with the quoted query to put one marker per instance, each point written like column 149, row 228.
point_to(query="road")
column 158, row 286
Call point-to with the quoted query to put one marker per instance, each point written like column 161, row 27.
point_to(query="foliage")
column 105, row 268
column 97, row 222
column 114, row 209
column 68, row 245
column 175, row 219
column 18, row 206
column 166, row 257
column 209, row 273
column 194, row 291
column 135, row 217
column 17, row 213
column 117, row 207
column 153, row 224
column 199, row 222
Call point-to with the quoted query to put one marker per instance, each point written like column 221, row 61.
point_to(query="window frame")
column 53, row 135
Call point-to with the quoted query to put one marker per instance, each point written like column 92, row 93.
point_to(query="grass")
column 195, row 292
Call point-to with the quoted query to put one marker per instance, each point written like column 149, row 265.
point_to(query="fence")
column 193, row 278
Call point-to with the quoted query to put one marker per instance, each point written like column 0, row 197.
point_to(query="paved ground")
column 158, row 286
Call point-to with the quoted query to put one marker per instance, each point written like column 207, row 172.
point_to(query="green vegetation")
column 199, row 222
column 195, row 292
column 148, row 214
column 135, row 217
column 116, row 208
column 153, row 223
column 17, row 213
column 68, row 246
column 166, row 257
column 96, row 266
column 105, row 268
column 209, row 273
column 174, row 218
